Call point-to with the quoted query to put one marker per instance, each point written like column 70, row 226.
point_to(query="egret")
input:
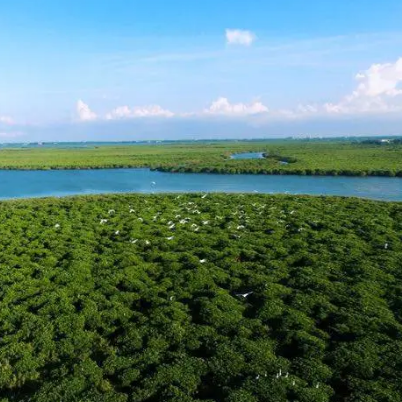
column 203, row 261
column 153, row 183
column 147, row 242
column 245, row 295
column 134, row 241
column 204, row 196
column 56, row 225
column 140, row 219
column 170, row 238
column 117, row 232
column 132, row 211
column 172, row 226
column 317, row 385
column 111, row 211
column 386, row 246
column 205, row 222
column 103, row 221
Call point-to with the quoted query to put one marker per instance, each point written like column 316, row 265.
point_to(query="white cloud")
column 239, row 37
column 377, row 91
column 84, row 112
column 222, row 106
column 124, row 112
column 6, row 120
column 380, row 79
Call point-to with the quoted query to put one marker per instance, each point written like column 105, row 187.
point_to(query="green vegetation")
column 305, row 157
column 232, row 298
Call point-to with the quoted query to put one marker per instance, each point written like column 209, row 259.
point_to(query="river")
column 41, row 183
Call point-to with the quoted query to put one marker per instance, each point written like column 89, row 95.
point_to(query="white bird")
column 147, row 242
column 203, row 261
column 317, row 385
column 171, row 298
column 133, row 241
column 172, row 226
column 204, row 196
column 386, row 246
column 287, row 375
column 205, row 222
column 193, row 225
column 258, row 377
column 103, row 221
column 132, row 211
column 153, row 183
column 170, row 238
column 57, row 225
column 245, row 295
column 280, row 372
column 140, row 219
column 111, row 211
column 117, row 232
column 240, row 227
column 293, row 382
column 183, row 221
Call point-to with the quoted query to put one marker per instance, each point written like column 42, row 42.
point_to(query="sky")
column 131, row 70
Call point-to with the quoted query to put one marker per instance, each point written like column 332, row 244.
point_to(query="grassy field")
column 186, row 298
column 311, row 158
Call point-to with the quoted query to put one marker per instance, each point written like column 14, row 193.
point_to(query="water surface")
column 34, row 183
column 248, row 155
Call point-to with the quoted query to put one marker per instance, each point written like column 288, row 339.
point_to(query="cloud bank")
column 6, row 120
column 124, row 112
column 378, row 91
column 222, row 106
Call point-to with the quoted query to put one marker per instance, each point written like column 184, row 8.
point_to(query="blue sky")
column 130, row 69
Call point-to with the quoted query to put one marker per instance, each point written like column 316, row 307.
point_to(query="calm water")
column 19, row 184
column 248, row 155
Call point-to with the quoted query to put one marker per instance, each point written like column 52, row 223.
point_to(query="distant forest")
column 304, row 157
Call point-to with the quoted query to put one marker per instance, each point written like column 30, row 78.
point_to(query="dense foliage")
column 200, row 298
column 304, row 157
